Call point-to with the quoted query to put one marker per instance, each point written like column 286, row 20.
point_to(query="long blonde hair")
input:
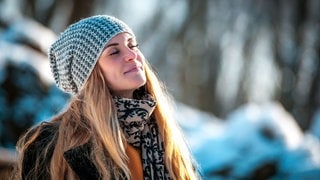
column 90, row 117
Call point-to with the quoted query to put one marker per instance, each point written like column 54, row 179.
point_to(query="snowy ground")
column 254, row 142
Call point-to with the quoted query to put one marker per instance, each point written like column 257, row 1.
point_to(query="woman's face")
column 122, row 65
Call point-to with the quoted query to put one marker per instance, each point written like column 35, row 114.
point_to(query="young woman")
column 118, row 123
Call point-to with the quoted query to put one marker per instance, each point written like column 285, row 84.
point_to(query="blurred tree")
column 234, row 52
column 297, row 50
column 46, row 11
column 222, row 54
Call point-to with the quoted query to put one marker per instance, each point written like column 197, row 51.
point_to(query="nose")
column 130, row 54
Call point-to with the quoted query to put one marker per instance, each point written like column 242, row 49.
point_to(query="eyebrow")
column 113, row 44
column 116, row 44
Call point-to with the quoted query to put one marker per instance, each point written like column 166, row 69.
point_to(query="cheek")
column 105, row 68
column 108, row 74
column 110, row 78
column 111, row 74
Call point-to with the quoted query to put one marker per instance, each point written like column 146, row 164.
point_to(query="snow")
column 253, row 136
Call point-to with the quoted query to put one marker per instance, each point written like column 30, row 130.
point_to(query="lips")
column 134, row 68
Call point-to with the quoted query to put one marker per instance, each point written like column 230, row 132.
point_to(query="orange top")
column 135, row 164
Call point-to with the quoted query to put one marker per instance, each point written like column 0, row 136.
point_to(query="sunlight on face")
column 122, row 65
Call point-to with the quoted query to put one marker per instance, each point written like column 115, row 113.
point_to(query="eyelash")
column 114, row 53
column 134, row 46
column 131, row 47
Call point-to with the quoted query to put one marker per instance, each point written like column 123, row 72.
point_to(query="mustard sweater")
column 135, row 164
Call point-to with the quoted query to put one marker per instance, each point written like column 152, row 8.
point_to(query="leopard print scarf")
column 142, row 132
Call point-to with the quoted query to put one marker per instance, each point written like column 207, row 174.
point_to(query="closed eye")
column 134, row 46
column 114, row 52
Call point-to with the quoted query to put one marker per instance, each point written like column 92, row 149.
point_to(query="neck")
column 124, row 94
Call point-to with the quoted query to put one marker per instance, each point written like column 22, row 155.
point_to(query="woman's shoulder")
column 44, row 131
column 37, row 147
column 39, row 137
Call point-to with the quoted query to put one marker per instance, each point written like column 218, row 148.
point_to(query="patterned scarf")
column 142, row 132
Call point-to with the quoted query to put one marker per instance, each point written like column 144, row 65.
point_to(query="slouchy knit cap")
column 76, row 51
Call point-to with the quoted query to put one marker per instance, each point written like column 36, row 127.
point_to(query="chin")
column 141, row 81
column 141, row 84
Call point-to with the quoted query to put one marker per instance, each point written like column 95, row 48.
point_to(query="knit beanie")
column 76, row 51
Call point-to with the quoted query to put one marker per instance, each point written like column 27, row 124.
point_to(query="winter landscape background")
column 245, row 76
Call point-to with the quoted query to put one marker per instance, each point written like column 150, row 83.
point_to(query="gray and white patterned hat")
column 76, row 51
